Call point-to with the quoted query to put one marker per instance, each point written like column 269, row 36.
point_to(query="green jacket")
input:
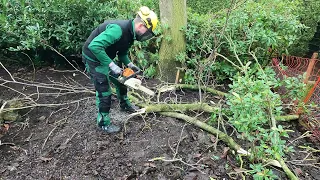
column 110, row 39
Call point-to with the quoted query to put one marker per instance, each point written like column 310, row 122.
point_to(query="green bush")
column 254, row 106
column 29, row 26
column 309, row 41
column 254, row 25
column 207, row 6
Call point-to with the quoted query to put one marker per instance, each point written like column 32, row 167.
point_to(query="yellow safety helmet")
column 149, row 17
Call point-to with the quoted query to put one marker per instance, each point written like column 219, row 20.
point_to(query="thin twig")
column 67, row 108
column 10, row 144
column 67, row 61
column 179, row 160
column 46, row 105
column 225, row 58
column 304, row 135
column 7, row 72
column 34, row 69
column 2, row 106
column 69, row 139
column 180, row 138
column 48, row 87
column 45, row 141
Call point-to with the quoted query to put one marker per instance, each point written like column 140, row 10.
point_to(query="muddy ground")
column 64, row 143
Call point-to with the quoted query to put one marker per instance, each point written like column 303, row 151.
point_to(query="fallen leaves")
column 225, row 152
column 150, row 165
column 45, row 159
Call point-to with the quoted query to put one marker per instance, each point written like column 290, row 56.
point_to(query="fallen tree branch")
column 44, row 105
column 287, row 118
column 278, row 157
column 195, row 166
column 8, row 72
column 286, row 169
column 191, row 87
column 147, row 108
column 49, row 86
column 180, row 108
column 224, row 137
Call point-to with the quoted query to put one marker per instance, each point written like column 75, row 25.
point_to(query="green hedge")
column 28, row 26
column 254, row 26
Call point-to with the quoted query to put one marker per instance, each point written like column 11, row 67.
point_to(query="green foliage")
column 254, row 106
column 62, row 24
column 29, row 26
column 206, row 6
column 261, row 173
column 253, row 26
column 309, row 14
column 295, row 87
column 145, row 54
column 251, row 99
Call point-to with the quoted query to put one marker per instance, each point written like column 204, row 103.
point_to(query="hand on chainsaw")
column 133, row 67
column 115, row 68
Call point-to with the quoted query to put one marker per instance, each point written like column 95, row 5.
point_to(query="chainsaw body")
column 129, row 79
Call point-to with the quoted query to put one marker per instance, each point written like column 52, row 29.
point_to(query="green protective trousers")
column 100, row 77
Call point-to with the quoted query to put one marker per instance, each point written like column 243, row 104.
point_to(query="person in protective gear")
column 110, row 39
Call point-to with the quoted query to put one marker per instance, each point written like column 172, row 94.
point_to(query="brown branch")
column 67, row 60
column 34, row 69
column 7, row 72
column 45, row 105
column 191, row 87
column 48, row 86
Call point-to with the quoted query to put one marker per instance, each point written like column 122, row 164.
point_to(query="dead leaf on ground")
column 15, row 148
column 197, row 155
column 3, row 170
column 298, row 171
column 6, row 126
column 13, row 167
column 45, row 159
column 225, row 152
column 150, row 165
column 239, row 170
column 42, row 118
column 213, row 139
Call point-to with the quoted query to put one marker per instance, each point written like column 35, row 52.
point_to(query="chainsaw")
column 128, row 78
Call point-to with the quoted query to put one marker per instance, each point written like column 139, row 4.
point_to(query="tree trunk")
column 173, row 17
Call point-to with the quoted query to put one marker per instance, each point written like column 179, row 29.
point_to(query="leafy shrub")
column 251, row 100
column 255, row 26
column 254, row 106
column 309, row 42
column 207, row 6
column 29, row 26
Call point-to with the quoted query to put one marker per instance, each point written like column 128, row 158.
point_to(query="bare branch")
column 7, row 72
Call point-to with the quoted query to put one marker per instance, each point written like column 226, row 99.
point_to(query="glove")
column 133, row 67
column 115, row 68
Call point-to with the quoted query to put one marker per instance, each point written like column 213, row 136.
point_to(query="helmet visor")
column 147, row 35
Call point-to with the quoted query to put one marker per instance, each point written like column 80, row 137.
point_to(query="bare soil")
column 68, row 145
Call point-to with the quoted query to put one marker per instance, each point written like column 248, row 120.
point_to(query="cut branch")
column 287, row 118
column 153, row 108
column 286, row 169
column 191, row 87
column 224, row 137
column 180, row 108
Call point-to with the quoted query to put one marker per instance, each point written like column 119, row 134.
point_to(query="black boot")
column 126, row 105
